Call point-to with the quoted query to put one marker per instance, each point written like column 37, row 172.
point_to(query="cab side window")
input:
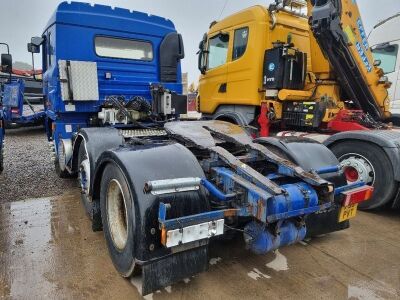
column 240, row 42
column 387, row 54
column 217, row 50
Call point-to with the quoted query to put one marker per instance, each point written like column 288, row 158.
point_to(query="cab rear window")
column 123, row 48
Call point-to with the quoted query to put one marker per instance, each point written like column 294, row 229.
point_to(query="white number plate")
column 194, row 233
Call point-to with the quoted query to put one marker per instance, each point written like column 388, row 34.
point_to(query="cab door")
column 213, row 84
column 387, row 54
column 243, row 80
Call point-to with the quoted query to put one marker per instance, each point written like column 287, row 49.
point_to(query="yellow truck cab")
column 233, row 59
column 305, row 68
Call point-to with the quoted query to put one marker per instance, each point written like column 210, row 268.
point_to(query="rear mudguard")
column 311, row 155
column 141, row 164
column 97, row 140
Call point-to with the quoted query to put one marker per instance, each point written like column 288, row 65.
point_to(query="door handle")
column 222, row 88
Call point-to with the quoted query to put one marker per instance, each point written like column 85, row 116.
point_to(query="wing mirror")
column 202, row 55
column 34, row 45
column 6, row 63
column 33, row 49
column 377, row 62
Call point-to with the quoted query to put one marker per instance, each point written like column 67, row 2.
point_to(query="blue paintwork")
column 14, row 94
column 70, row 35
column 261, row 241
column 189, row 220
column 327, row 170
column 299, row 198
column 349, row 187
column 216, row 192
column 13, row 104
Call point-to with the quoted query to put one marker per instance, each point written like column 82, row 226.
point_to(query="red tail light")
column 357, row 195
column 14, row 110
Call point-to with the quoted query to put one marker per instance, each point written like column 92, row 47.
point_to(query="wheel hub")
column 357, row 168
column 117, row 214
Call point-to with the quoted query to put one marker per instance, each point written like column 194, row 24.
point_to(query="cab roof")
column 107, row 17
column 385, row 31
column 256, row 13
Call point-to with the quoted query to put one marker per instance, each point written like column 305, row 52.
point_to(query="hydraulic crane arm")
column 339, row 31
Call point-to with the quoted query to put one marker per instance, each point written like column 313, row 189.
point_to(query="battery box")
column 284, row 68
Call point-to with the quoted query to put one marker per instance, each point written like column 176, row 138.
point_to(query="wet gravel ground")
column 28, row 169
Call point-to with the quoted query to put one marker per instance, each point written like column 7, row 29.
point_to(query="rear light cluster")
column 357, row 195
column 15, row 111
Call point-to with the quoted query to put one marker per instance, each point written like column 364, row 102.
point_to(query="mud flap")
column 325, row 222
column 167, row 271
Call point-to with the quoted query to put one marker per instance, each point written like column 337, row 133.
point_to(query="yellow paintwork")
column 243, row 77
column 350, row 15
column 245, row 73
column 294, row 95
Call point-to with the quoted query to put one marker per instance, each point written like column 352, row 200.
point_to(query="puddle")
column 371, row 290
column 214, row 261
column 256, row 274
column 279, row 263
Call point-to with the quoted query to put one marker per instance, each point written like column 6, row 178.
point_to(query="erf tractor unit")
column 160, row 186
column 278, row 70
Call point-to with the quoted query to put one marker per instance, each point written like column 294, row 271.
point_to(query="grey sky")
column 22, row 19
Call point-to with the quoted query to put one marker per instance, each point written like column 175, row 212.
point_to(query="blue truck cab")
column 91, row 53
column 161, row 186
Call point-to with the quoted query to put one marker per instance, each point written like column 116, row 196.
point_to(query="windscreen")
column 388, row 57
column 218, row 50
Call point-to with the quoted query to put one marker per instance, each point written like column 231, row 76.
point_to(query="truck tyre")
column 117, row 214
column 367, row 162
column 61, row 174
column 83, row 181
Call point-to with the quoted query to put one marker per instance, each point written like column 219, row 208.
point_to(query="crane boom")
column 338, row 28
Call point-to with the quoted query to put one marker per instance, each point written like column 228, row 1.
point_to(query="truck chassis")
column 161, row 195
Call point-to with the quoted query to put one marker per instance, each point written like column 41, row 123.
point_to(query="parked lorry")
column 278, row 71
column 161, row 186
column 384, row 40
column 15, row 101
column 17, row 89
